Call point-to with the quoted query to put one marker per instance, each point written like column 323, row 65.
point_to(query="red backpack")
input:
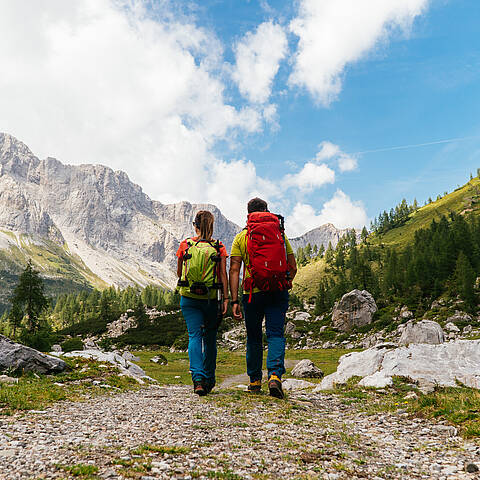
column 268, row 268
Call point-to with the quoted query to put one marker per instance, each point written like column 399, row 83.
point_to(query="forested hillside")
column 413, row 256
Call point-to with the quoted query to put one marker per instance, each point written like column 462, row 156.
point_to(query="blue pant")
column 273, row 306
column 201, row 319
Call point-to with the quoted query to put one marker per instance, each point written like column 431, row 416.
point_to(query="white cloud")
column 258, row 56
column 329, row 151
column 340, row 210
column 334, row 33
column 310, row 177
column 100, row 81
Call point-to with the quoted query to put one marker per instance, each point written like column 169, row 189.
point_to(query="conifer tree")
column 464, row 277
column 29, row 298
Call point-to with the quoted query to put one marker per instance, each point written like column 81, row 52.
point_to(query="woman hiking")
column 203, row 287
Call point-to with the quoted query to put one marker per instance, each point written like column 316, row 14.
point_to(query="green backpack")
column 200, row 270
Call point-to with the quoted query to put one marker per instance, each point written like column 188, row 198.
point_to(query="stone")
column 289, row 328
column 467, row 329
column 451, row 327
column 90, row 344
column 356, row 364
column 425, row 331
column 430, row 366
column 405, row 313
column 377, row 380
column 125, row 366
column 7, row 379
column 471, row 468
column 56, row 348
column 14, row 356
column 159, row 359
column 355, row 309
column 121, row 325
column 302, row 316
column 306, row 369
column 130, row 357
column 460, row 317
column 293, row 384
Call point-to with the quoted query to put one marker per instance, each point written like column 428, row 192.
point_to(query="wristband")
column 234, row 302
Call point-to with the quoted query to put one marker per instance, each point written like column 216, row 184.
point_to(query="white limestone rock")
column 289, row 328
column 425, row 331
column 377, row 380
column 302, row 316
column 451, row 327
column 293, row 384
column 306, row 369
column 125, row 366
column 355, row 309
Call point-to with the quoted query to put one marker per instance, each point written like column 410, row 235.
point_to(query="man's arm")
column 235, row 266
column 292, row 263
column 179, row 267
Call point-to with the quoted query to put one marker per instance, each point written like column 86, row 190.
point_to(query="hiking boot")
column 209, row 386
column 275, row 386
column 255, row 387
column 199, row 388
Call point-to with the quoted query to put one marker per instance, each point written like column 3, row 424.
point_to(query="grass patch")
column 35, row 392
column 161, row 449
column 80, row 470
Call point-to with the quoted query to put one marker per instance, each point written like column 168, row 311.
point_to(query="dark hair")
column 257, row 205
column 204, row 222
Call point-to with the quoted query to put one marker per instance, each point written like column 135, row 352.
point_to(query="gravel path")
column 230, row 435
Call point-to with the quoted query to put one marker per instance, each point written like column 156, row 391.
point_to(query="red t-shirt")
column 184, row 245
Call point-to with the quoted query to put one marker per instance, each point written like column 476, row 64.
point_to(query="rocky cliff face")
column 102, row 220
column 319, row 236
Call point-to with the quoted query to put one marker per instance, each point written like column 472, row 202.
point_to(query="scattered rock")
column 306, row 369
column 467, row 329
column 160, row 359
column 451, row 327
column 302, row 316
column 355, row 309
column 90, row 344
column 459, row 317
column 471, row 468
column 121, row 325
column 130, row 356
column 14, row 356
column 292, row 384
column 377, row 380
column 56, row 348
column 405, row 313
column 125, row 366
column 425, row 331
column 289, row 328
column 7, row 379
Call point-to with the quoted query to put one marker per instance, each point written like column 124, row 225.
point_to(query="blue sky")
column 217, row 101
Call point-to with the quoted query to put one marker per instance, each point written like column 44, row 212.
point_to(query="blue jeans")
column 201, row 319
column 273, row 306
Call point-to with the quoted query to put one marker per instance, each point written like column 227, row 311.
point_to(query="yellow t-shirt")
column 239, row 249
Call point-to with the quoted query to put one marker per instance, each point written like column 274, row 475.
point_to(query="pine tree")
column 464, row 278
column 364, row 235
column 329, row 254
column 29, row 298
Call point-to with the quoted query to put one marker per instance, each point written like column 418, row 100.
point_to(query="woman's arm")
column 224, row 280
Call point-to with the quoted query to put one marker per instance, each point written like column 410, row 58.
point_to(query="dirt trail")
column 243, row 379
column 169, row 433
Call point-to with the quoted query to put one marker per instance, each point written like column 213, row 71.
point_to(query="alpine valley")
column 86, row 226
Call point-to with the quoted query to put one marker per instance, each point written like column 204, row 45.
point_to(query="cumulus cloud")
column 103, row 81
column 333, row 33
column 310, row 177
column 258, row 56
column 340, row 211
column 329, row 151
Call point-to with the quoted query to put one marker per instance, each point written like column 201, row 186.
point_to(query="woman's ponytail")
column 204, row 222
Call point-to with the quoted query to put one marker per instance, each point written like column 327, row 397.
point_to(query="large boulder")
column 438, row 365
column 14, row 356
column 426, row 331
column 355, row 309
column 306, row 369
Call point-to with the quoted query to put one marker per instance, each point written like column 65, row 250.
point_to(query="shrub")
column 72, row 344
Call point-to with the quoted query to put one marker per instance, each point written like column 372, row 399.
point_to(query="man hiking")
column 269, row 268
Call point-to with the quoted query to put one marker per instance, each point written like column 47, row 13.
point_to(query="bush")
column 41, row 340
column 72, row 344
